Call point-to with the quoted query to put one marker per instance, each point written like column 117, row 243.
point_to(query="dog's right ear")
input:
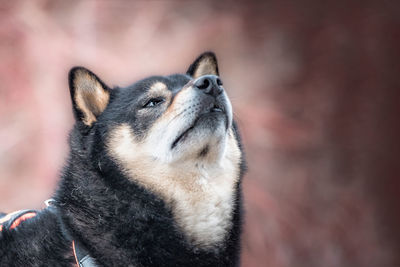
column 90, row 96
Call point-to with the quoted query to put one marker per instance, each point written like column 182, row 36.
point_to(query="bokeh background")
column 315, row 87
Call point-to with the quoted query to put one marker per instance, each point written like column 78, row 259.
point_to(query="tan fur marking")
column 205, row 67
column 174, row 106
column 158, row 88
column 200, row 193
column 90, row 96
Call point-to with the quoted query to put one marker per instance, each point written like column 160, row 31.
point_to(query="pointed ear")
column 205, row 64
column 90, row 96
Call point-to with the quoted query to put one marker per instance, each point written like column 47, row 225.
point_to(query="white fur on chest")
column 205, row 213
column 200, row 193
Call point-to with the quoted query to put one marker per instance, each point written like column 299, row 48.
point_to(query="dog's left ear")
column 89, row 95
column 205, row 64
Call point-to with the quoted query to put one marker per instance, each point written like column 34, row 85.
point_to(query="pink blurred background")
column 315, row 89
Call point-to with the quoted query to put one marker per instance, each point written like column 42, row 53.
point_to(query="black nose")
column 209, row 84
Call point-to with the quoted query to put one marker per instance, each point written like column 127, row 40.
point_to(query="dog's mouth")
column 216, row 109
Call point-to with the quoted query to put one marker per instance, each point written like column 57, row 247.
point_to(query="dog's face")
column 172, row 135
column 174, row 120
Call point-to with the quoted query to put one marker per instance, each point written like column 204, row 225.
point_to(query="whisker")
column 173, row 118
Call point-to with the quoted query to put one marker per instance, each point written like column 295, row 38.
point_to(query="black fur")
column 119, row 222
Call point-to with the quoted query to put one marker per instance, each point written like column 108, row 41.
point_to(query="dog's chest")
column 204, row 213
column 201, row 199
column 199, row 192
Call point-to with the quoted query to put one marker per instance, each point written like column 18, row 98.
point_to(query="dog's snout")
column 209, row 84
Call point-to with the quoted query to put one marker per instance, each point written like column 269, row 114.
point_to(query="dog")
column 153, row 178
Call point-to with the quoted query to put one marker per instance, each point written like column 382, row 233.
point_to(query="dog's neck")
column 116, row 219
column 199, row 189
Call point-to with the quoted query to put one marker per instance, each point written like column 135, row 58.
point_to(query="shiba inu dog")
column 153, row 178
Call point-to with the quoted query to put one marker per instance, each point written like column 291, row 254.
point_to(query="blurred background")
column 315, row 88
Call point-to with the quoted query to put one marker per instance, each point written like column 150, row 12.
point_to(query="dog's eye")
column 153, row 102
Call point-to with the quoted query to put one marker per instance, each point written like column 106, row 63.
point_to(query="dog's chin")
column 206, row 132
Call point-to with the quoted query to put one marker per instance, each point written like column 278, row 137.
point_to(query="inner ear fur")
column 205, row 64
column 90, row 96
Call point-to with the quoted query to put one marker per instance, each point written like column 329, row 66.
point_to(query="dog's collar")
column 81, row 255
column 12, row 220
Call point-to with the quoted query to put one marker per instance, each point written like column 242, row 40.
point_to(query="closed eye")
column 153, row 102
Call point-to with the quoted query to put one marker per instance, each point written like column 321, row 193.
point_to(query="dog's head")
column 173, row 135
